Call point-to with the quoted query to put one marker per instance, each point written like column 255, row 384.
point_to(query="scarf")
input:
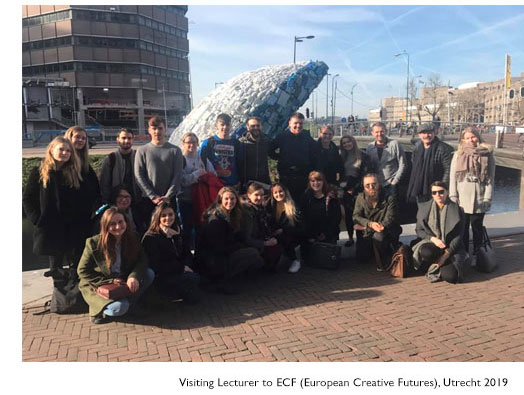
column 437, row 220
column 473, row 161
column 422, row 171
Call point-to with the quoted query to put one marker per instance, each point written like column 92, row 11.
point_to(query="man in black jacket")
column 431, row 161
column 297, row 156
column 254, row 155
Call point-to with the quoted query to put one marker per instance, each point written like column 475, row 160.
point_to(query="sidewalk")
column 354, row 314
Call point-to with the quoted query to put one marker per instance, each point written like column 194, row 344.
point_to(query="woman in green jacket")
column 113, row 256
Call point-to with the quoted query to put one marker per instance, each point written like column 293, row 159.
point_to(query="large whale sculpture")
column 271, row 93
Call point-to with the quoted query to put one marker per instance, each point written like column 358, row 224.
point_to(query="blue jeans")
column 120, row 307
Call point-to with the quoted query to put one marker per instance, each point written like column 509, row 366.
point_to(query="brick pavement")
column 355, row 314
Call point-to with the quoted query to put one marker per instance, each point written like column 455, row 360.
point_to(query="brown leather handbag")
column 401, row 262
column 114, row 291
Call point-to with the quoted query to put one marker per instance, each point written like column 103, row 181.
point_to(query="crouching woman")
column 113, row 256
column 440, row 225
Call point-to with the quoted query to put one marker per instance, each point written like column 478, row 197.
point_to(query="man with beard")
column 376, row 222
column 254, row 152
column 431, row 161
column 117, row 168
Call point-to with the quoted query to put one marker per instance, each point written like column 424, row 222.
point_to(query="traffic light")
column 307, row 112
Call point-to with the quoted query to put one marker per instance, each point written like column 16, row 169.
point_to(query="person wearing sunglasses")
column 440, row 225
column 376, row 222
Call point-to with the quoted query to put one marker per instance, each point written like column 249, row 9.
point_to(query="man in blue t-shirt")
column 223, row 152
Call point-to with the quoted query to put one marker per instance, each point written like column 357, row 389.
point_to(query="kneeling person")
column 112, row 257
column 168, row 256
column 376, row 222
column 440, row 225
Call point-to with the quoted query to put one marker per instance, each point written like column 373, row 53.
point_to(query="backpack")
column 401, row 262
column 66, row 298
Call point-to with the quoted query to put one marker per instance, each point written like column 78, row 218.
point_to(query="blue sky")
column 460, row 43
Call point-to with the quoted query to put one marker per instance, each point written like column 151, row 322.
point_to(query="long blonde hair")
column 355, row 150
column 70, row 169
column 470, row 129
column 290, row 209
column 130, row 245
column 83, row 154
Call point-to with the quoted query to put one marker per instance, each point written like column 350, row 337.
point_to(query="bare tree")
column 413, row 93
column 433, row 99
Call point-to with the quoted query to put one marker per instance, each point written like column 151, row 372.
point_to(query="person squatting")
column 163, row 219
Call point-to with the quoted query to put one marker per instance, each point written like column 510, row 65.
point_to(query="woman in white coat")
column 472, row 178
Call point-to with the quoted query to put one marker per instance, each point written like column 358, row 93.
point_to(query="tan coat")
column 473, row 197
column 93, row 272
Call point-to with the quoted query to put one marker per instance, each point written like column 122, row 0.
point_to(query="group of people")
column 142, row 224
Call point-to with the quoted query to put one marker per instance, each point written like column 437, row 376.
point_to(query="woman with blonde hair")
column 90, row 188
column 194, row 168
column 50, row 202
column 472, row 177
column 221, row 251
column 114, row 256
column 284, row 221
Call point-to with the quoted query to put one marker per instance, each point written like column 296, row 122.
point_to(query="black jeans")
column 476, row 221
column 349, row 205
column 429, row 254
column 385, row 243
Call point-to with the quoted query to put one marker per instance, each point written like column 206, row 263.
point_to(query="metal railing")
column 363, row 128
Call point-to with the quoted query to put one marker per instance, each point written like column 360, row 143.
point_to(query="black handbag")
column 322, row 255
column 486, row 259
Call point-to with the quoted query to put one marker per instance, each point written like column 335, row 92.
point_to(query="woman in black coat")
column 168, row 256
column 356, row 165
column 255, row 225
column 50, row 201
column 321, row 211
column 284, row 222
column 89, row 186
column 221, row 251
column 329, row 162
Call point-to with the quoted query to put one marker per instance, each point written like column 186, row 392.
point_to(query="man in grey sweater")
column 158, row 166
column 387, row 158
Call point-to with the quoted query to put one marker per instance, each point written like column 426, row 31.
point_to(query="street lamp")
column 327, row 95
column 299, row 40
column 353, row 87
column 407, row 82
column 333, row 98
column 217, row 84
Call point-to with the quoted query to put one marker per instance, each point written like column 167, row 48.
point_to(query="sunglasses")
column 439, row 192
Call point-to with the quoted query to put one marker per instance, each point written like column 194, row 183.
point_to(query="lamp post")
column 353, row 87
column 333, row 98
column 327, row 95
column 299, row 40
column 407, row 82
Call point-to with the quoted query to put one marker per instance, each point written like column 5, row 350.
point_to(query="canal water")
column 507, row 190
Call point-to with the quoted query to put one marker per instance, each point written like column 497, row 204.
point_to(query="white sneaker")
column 295, row 266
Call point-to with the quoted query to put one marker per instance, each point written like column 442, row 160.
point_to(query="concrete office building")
column 106, row 65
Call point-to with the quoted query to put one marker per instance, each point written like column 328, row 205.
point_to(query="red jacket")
column 203, row 194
